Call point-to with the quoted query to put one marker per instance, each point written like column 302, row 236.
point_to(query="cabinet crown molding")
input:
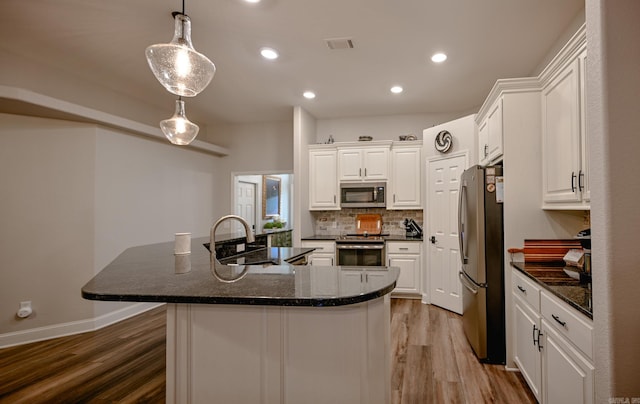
column 576, row 44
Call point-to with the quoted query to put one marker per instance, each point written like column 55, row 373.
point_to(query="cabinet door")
column 376, row 164
column 561, row 137
column 323, row 182
column 350, row 164
column 409, row 264
column 483, row 143
column 567, row 376
column 494, row 118
column 583, row 180
column 405, row 184
column 527, row 356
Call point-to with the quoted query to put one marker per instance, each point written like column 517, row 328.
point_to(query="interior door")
column 442, row 212
column 246, row 204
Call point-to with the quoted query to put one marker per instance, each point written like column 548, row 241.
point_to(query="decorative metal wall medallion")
column 443, row 141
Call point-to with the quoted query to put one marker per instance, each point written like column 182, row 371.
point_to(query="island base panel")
column 279, row 354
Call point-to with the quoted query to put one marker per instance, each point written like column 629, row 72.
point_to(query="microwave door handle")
column 462, row 213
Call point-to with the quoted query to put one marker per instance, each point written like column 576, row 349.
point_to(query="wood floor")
column 125, row 363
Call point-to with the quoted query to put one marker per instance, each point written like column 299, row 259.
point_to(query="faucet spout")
column 212, row 235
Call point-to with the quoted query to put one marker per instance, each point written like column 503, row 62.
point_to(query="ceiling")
column 104, row 41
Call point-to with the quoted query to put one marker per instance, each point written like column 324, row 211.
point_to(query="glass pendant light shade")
column 178, row 129
column 177, row 65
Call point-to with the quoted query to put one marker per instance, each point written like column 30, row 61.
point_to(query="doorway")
column 250, row 201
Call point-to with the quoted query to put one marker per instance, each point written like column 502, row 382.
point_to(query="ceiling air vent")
column 339, row 43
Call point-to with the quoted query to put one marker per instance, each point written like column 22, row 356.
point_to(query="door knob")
column 432, row 239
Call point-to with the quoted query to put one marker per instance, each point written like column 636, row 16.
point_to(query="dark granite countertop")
column 153, row 274
column 240, row 235
column 552, row 278
column 333, row 237
column 268, row 255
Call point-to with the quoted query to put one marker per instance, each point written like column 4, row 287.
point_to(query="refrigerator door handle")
column 462, row 206
column 463, row 279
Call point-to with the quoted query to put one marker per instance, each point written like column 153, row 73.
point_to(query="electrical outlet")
column 240, row 247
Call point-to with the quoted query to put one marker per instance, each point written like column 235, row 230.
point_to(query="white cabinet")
column 323, row 179
column 553, row 345
column 565, row 163
column 406, row 255
column 568, row 374
column 490, row 134
column 363, row 163
column 357, row 281
column 404, row 188
column 324, row 253
column 526, row 320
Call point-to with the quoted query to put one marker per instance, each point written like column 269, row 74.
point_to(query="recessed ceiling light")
column 438, row 58
column 396, row 89
column 252, row 1
column 309, row 95
column 269, row 53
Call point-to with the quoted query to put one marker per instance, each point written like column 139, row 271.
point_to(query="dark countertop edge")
column 520, row 267
column 247, row 301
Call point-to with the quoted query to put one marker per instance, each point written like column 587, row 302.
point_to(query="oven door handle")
column 360, row 247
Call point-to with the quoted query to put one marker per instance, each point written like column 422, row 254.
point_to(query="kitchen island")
column 261, row 333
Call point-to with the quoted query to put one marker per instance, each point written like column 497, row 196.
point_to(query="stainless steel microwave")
column 363, row 195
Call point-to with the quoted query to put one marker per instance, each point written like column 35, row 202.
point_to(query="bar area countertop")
column 152, row 273
column 552, row 278
column 261, row 333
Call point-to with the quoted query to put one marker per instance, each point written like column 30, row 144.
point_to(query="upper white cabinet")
column 360, row 163
column 565, row 149
column 405, row 191
column 490, row 134
column 323, row 179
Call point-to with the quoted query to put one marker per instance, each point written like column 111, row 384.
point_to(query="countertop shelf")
column 153, row 274
column 552, row 278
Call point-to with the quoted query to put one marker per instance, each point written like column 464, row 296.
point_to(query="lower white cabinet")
column 553, row 345
column 568, row 374
column 324, row 254
column 407, row 255
column 527, row 354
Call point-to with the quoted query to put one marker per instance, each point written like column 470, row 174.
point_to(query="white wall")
column 46, row 216
column 387, row 127
column 613, row 125
column 253, row 148
column 74, row 197
column 464, row 133
column 304, row 134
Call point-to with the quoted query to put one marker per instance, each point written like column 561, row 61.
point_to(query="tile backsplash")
column 344, row 221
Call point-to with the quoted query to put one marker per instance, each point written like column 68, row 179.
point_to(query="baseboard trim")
column 73, row 327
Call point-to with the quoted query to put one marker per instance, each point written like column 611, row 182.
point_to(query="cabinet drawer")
column 568, row 323
column 410, row 247
column 526, row 289
column 320, row 246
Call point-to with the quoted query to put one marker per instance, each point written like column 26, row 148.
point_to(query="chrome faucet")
column 212, row 235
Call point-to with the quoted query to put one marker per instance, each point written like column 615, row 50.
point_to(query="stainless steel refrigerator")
column 480, row 229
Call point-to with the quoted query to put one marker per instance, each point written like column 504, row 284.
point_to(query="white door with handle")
column 245, row 204
column 443, row 187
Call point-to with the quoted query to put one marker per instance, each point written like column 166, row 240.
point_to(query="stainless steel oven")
column 360, row 251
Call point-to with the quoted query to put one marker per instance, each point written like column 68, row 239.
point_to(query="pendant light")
column 177, row 65
column 178, row 129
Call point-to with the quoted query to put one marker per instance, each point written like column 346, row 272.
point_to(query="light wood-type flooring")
column 125, row 363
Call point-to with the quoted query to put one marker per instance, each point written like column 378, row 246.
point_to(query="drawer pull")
column 562, row 323
column 404, row 248
column 523, row 290
column 534, row 335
